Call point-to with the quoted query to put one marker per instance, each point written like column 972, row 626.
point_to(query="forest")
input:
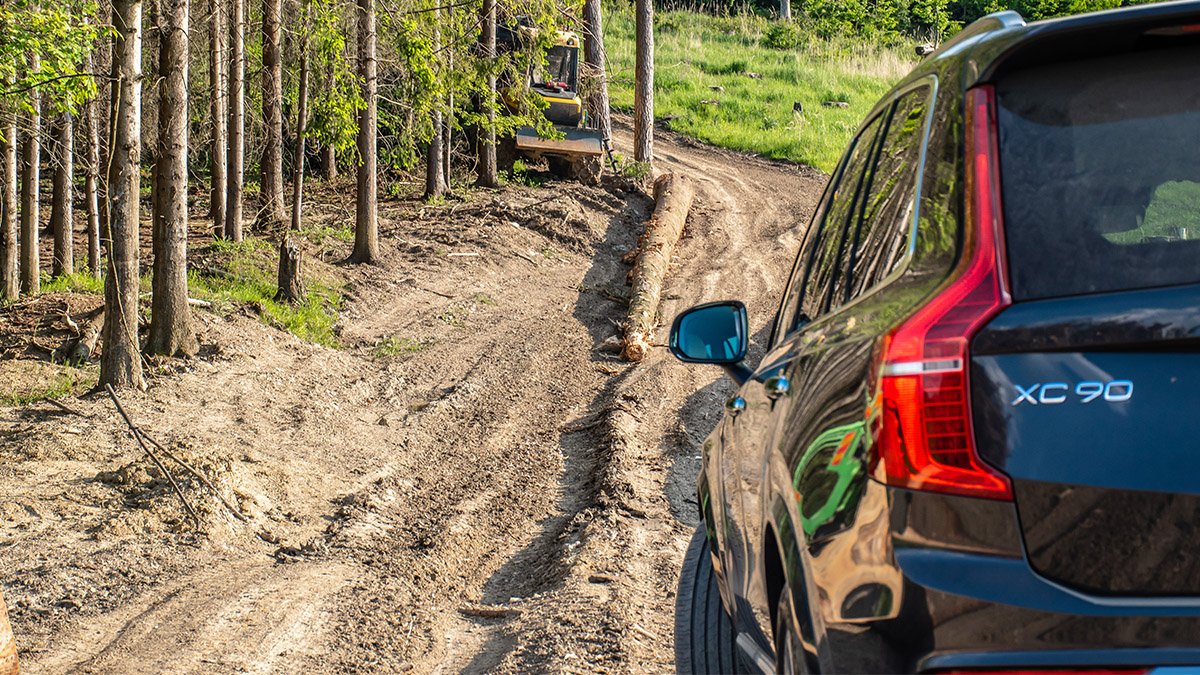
column 113, row 99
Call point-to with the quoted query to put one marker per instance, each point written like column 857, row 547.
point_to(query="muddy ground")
column 469, row 484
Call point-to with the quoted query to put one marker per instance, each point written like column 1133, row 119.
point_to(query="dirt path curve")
column 468, row 486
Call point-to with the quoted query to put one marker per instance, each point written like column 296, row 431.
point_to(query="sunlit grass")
column 702, row 59
column 50, row 384
column 247, row 274
column 79, row 282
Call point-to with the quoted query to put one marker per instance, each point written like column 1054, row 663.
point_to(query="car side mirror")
column 715, row 332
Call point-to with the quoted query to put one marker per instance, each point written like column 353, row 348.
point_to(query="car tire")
column 704, row 632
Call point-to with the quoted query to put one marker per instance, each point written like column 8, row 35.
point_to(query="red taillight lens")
column 924, row 437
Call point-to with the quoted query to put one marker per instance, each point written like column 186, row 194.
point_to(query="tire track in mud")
column 612, row 611
column 503, row 463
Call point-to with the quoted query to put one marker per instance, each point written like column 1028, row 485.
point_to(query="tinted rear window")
column 1100, row 166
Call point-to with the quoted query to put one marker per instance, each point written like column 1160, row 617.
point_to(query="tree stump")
column 291, row 285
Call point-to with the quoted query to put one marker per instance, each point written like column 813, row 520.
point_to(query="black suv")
column 973, row 443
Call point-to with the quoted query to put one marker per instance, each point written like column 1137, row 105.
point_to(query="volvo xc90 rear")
column 973, row 443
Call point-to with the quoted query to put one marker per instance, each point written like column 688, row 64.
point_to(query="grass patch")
column 392, row 346
column 246, row 273
column 38, row 382
column 521, row 175
column 456, row 318
column 79, row 282
column 318, row 234
column 756, row 71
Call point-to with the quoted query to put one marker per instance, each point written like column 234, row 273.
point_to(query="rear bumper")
column 989, row 612
column 968, row 599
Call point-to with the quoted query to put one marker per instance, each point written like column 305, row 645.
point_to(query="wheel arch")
column 783, row 567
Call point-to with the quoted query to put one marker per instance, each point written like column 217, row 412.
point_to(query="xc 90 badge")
column 1052, row 393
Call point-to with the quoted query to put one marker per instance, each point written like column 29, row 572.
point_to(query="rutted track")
column 504, row 463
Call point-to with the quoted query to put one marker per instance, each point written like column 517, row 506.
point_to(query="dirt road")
column 468, row 485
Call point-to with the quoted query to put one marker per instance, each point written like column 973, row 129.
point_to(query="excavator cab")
column 577, row 155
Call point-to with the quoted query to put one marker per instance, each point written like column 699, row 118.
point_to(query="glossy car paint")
column 882, row 579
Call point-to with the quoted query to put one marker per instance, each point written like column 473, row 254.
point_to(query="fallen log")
column 79, row 351
column 8, row 645
column 673, row 197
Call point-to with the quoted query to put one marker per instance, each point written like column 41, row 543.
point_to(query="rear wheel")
column 704, row 633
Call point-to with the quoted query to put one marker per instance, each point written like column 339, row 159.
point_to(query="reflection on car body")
column 970, row 443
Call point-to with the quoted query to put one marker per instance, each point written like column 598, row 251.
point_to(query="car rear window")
column 1100, row 173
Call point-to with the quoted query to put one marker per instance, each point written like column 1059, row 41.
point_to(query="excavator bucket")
column 577, row 143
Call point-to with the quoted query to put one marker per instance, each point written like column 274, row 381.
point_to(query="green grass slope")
column 700, row 59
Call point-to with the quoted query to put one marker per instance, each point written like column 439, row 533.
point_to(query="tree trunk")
column 216, row 110
column 9, row 270
column 487, row 147
column 593, row 57
column 291, row 284
column 301, row 124
column 643, row 87
column 171, row 331
column 435, row 178
column 366, row 228
column 328, row 162
column 30, row 178
column 448, row 121
column 272, row 211
column 62, row 208
column 785, row 10
column 673, row 196
column 150, row 98
column 91, row 200
column 103, row 108
column 328, row 151
column 121, row 362
column 236, row 152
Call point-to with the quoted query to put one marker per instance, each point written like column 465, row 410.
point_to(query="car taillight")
column 924, row 438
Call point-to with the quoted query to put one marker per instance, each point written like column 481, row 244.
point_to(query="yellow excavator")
column 577, row 154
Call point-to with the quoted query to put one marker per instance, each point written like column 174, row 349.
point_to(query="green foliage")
column 1173, row 213
column 635, row 170
column 79, row 282
column 334, row 104
column 522, row 176
column 782, row 36
column 59, row 32
column 430, row 57
column 245, row 273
